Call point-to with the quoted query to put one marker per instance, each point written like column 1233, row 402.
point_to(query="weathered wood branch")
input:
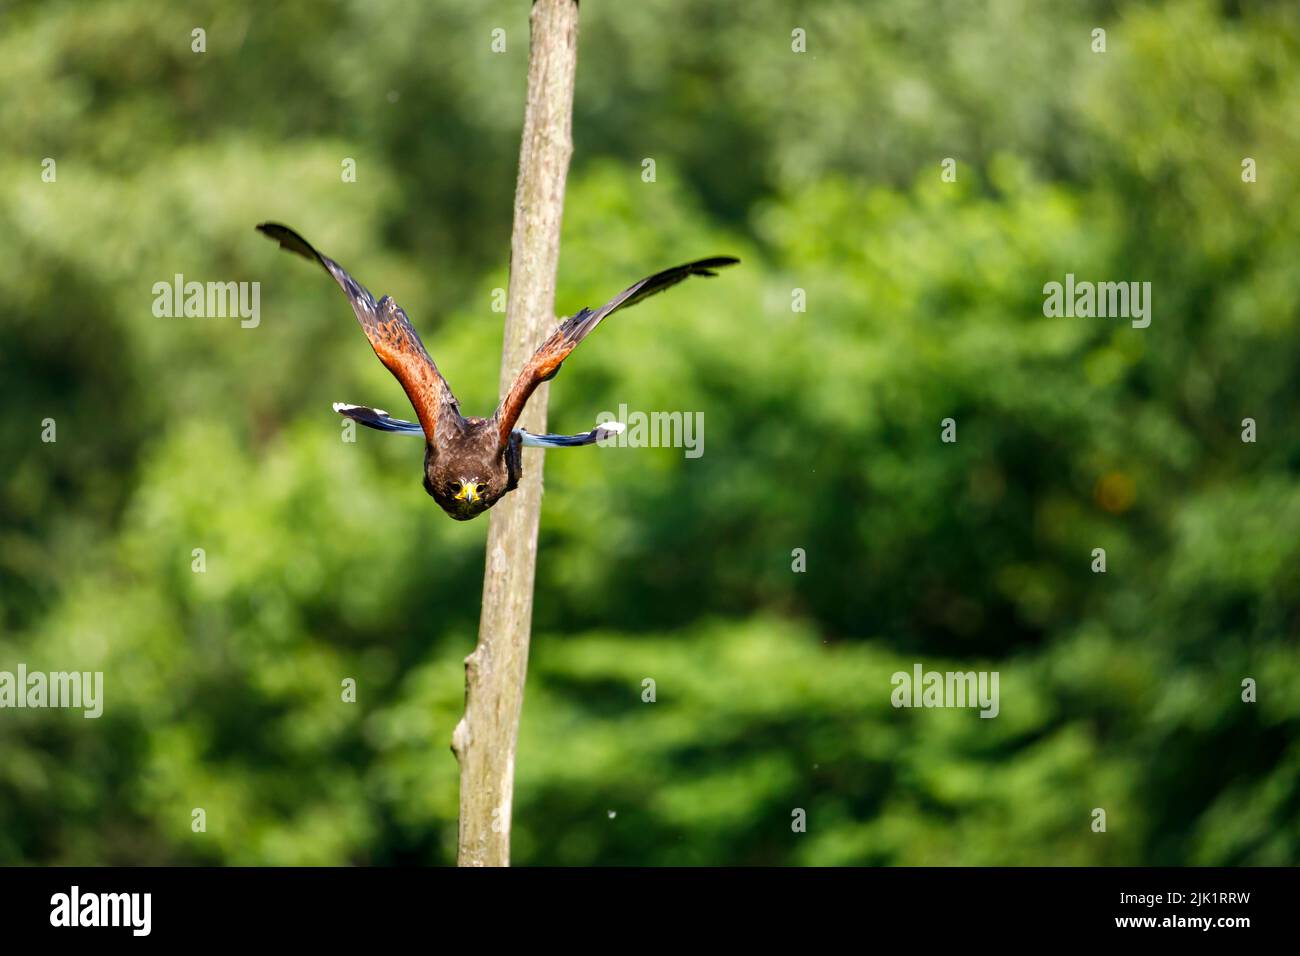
column 484, row 741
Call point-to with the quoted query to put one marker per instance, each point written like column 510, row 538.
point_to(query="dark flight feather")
column 605, row 430
column 377, row 419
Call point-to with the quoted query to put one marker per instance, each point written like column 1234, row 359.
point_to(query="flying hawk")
column 471, row 463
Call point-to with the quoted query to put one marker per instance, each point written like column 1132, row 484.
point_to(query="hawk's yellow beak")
column 468, row 491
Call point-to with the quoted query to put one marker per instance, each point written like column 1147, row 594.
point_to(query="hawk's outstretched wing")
column 545, row 362
column 391, row 335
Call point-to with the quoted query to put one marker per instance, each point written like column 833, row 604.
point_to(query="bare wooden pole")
column 484, row 740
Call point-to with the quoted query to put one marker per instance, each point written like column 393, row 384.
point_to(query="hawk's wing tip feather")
column 344, row 407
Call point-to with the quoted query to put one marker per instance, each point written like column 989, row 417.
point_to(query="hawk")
column 471, row 463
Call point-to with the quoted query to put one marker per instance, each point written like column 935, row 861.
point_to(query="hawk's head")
column 463, row 498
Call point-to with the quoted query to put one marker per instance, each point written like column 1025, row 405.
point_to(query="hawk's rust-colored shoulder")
column 390, row 332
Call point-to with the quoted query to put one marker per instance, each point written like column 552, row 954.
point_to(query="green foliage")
column 325, row 559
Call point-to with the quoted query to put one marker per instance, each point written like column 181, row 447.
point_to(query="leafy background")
column 821, row 170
